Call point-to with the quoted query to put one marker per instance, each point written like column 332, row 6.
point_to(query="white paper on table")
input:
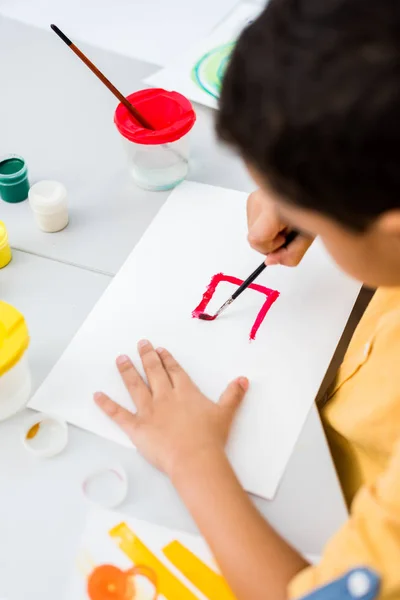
column 177, row 75
column 200, row 231
column 98, row 548
column 154, row 31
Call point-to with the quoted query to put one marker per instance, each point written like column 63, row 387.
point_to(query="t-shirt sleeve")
column 370, row 538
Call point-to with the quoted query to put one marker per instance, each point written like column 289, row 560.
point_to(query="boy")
column 311, row 99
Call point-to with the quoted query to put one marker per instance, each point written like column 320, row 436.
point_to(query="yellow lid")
column 14, row 337
column 3, row 234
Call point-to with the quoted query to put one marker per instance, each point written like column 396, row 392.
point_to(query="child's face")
column 372, row 257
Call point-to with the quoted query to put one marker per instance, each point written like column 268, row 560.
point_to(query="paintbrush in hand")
column 292, row 235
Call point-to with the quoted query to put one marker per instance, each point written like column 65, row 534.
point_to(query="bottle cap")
column 3, row 235
column 14, row 183
column 170, row 113
column 44, row 435
column 14, row 337
column 47, row 197
column 106, row 486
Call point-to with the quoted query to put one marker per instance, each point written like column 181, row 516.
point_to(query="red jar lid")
column 170, row 113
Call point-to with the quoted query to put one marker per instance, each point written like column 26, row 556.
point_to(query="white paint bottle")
column 48, row 200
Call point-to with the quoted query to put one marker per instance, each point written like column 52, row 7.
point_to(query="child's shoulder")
column 381, row 320
column 386, row 306
column 368, row 380
column 387, row 301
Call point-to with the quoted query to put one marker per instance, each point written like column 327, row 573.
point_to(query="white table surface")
column 152, row 30
column 59, row 117
column 42, row 509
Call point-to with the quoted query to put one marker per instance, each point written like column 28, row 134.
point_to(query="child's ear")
column 389, row 223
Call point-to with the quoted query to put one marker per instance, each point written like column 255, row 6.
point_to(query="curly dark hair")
column 311, row 98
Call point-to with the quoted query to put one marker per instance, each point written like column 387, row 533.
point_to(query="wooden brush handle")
column 132, row 110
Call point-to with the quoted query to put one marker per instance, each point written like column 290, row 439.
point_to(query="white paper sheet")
column 200, row 231
column 195, row 72
column 151, row 30
column 99, row 548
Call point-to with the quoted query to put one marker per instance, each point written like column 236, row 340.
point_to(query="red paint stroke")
column 271, row 296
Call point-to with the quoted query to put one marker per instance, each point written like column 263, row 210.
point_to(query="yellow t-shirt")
column 362, row 421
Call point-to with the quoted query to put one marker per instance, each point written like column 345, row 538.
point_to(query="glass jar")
column 158, row 157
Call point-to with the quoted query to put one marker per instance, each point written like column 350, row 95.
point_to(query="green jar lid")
column 14, row 185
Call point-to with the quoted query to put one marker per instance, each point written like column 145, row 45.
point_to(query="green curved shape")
column 210, row 69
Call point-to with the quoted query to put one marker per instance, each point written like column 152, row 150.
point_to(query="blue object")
column 358, row 584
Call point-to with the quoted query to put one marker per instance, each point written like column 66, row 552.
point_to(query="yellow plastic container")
column 5, row 250
column 15, row 377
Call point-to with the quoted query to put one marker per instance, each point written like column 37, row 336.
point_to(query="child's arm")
column 183, row 433
column 256, row 562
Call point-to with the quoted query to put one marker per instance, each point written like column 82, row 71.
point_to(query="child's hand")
column 174, row 420
column 267, row 232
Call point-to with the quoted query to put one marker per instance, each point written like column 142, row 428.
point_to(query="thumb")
column 265, row 235
column 233, row 395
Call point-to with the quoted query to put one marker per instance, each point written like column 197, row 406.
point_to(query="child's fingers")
column 122, row 417
column 292, row 255
column 233, row 395
column 263, row 245
column 154, row 368
column 172, row 367
column 264, row 235
column 138, row 390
